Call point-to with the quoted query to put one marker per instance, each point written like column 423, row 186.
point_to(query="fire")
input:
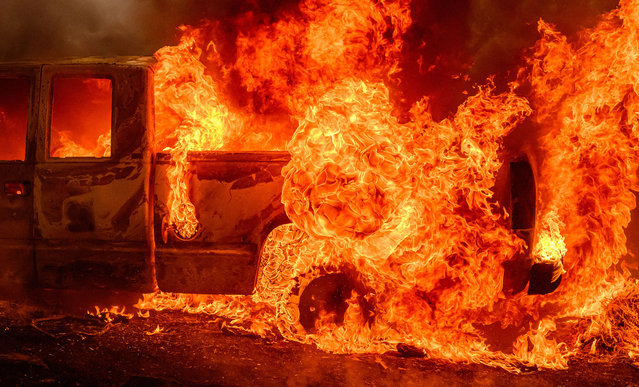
column 284, row 67
column 190, row 113
column 14, row 113
column 157, row 330
column 551, row 247
column 537, row 348
column 590, row 120
column 81, row 118
column 70, row 148
column 112, row 314
column 347, row 180
column 416, row 251
column 397, row 216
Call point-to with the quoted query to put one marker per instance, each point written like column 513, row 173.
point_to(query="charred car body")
column 72, row 222
column 98, row 219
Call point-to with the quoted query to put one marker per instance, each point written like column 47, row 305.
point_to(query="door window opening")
column 14, row 114
column 81, row 117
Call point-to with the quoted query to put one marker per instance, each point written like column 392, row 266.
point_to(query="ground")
column 46, row 338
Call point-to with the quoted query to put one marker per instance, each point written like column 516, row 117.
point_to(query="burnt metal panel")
column 237, row 197
column 92, row 264
column 16, row 211
column 202, row 268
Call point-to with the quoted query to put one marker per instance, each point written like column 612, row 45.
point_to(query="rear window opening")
column 14, row 113
column 81, row 117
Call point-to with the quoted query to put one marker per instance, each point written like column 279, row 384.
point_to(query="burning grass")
column 616, row 331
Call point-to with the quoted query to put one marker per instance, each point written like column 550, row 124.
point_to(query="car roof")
column 89, row 60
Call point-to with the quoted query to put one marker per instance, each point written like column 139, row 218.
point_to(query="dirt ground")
column 46, row 338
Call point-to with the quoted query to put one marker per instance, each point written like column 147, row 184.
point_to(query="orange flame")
column 550, row 246
column 401, row 213
column 157, row 330
column 110, row 314
column 81, row 117
column 190, row 112
column 287, row 62
column 586, row 101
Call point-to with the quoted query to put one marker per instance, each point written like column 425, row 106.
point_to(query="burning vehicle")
column 94, row 213
column 112, row 191
column 285, row 190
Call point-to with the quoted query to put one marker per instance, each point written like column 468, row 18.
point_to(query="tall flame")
column 585, row 99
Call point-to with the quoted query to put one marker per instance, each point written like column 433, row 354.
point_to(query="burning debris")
column 616, row 330
column 92, row 324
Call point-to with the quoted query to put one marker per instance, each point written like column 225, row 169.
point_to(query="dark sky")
column 36, row 29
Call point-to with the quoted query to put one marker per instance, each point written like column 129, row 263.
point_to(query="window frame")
column 30, row 77
column 82, row 75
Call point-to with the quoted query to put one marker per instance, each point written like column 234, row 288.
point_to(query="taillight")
column 16, row 188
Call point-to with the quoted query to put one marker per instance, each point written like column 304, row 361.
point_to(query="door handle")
column 17, row 188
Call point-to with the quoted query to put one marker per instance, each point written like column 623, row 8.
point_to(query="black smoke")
column 451, row 46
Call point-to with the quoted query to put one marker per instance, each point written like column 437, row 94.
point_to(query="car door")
column 92, row 177
column 18, row 111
